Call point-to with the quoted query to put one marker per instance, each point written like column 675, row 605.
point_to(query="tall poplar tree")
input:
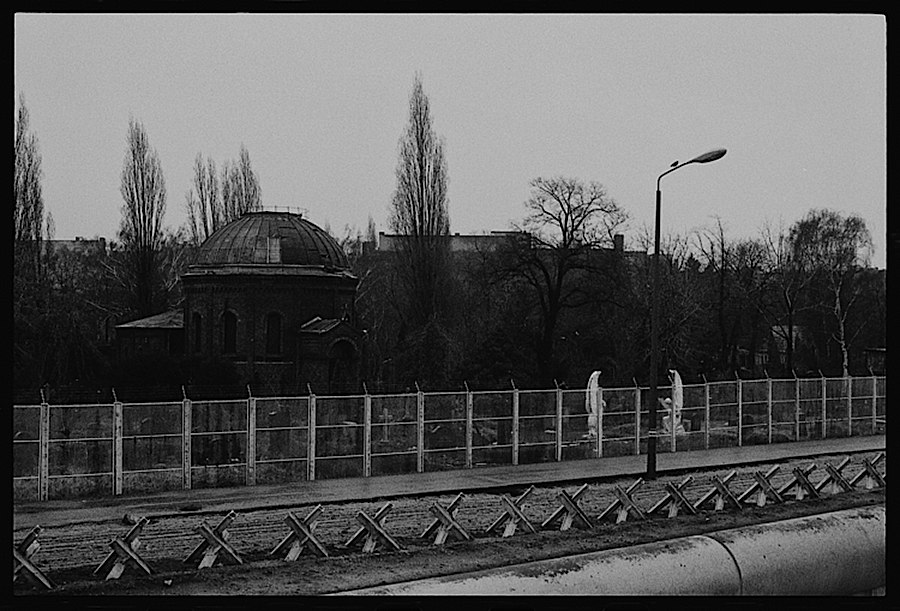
column 143, row 190
column 28, row 200
column 419, row 215
column 419, row 209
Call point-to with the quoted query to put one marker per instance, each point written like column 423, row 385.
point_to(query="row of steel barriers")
column 373, row 535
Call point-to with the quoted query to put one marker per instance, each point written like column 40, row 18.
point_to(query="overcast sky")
column 320, row 102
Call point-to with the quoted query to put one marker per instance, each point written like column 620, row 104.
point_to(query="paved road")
column 242, row 499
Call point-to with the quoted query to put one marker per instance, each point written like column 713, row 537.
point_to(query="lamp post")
column 654, row 312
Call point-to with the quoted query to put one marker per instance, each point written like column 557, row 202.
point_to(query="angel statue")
column 673, row 406
column 593, row 404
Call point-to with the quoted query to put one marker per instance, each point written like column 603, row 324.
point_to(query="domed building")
column 273, row 293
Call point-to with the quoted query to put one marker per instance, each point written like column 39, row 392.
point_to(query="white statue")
column 673, row 406
column 593, row 404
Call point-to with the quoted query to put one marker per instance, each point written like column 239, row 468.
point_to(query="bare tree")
column 567, row 222
column 240, row 188
column 682, row 301
column 143, row 189
column 740, row 274
column 203, row 200
column 215, row 200
column 714, row 252
column 752, row 281
column 833, row 247
column 789, row 283
column 419, row 208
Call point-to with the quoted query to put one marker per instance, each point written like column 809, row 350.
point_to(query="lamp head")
column 710, row 156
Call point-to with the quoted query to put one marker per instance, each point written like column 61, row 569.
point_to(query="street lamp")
column 654, row 312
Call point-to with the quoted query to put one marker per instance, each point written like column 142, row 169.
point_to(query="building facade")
column 273, row 294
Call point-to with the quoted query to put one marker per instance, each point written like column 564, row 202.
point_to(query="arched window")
column 273, row 333
column 229, row 333
column 196, row 330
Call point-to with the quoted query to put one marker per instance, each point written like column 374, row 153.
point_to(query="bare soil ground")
column 70, row 554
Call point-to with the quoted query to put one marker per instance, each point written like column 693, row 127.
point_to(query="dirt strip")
column 69, row 554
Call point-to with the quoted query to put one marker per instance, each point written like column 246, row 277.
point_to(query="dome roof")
column 272, row 238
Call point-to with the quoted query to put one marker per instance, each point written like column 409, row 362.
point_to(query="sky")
column 321, row 101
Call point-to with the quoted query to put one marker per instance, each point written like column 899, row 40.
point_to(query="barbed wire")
column 67, row 395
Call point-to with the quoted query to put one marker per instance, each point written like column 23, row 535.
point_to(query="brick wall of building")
column 252, row 298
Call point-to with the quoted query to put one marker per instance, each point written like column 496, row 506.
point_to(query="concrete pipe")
column 835, row 553
column 689, row 565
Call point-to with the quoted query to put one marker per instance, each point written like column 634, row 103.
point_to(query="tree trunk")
column 841, row 334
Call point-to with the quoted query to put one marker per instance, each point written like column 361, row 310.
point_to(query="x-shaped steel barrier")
column 624, row 503
column 373, row 531
column 22, row 559
column 302, row 536
column 620, row 507
column 124, row 552
column 448, row 524
column 762, row 488
column 835, row 481
column 214, row 542
column 720, row 494
column 362, row 532
column 438, row 523
column 675, row 499
column 800, row 484
column 873, row 478
column 512, row 515
column 569, row 510
column 445, row 522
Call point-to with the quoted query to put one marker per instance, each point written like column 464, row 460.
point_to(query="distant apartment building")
column 488, row 242
column 79, row 245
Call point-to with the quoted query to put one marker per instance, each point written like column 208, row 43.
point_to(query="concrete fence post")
column 824, row 404
column 796, row 406
column 469, row 426
column 311, row 436
column 599, row 422
column 367, row 432
column 706, row 410
column 874, row 403
column 559, row 423
column 117, row 448
column 637, row 419
column 420, row 430
column 251, row 438
column 740, row 409
column 672, row 427
column 44, row 452
column 769, row 406
column 515, row 424
column 186, row 427
column 849, row 406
